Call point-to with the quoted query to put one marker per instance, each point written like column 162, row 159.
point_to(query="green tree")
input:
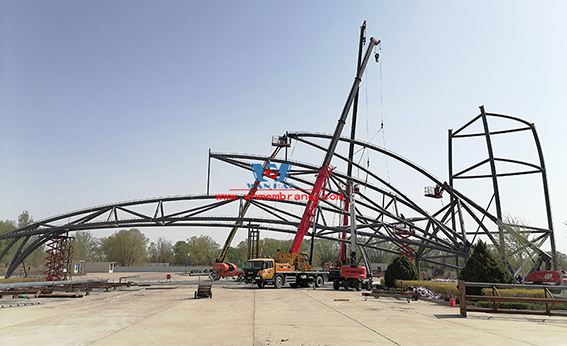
column 5, row 227
column 126, row 247
column 325, row 250
column 401, row 268
column 84, row 246
column 204, row 250
column 238, row 254
column 483, row 267
column 562, row 260
column 180, row 252
column 37, row 257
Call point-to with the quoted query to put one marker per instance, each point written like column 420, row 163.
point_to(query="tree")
column 37, row 257
column 84, row 246
column 325, row 250
column 400, row 269
column 483, row 267
column 24, row 219
column 238, row 254
column 204, row 250
column 5, row 227
column 126, row 247
column 562, row 260
column 180, row 252
column 160, row 252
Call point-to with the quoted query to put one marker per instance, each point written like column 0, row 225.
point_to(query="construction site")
column 286, row 300
column 160, row 311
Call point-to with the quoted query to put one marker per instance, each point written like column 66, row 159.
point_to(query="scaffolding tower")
column 59, row 253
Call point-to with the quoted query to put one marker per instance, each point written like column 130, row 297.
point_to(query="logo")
column 271, row 171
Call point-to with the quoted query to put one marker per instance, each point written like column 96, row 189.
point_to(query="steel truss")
column 521, row 233
column 384, row 213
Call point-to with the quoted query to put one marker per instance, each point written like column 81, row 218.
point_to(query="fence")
column 496, row 299
column 161, row 269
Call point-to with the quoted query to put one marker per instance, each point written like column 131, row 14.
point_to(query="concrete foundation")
column 241, row 314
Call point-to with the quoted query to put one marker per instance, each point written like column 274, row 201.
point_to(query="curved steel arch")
column 452, row 213
column 378, row 212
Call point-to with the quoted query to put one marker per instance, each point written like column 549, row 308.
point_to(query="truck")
column 293, row 267
column 279, row 272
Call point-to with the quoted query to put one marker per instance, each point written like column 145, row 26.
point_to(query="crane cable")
column 379, row 47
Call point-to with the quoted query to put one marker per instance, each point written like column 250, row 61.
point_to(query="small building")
column 94, row 267
column 378, row 268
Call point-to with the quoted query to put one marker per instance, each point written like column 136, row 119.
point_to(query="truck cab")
column 259, row 271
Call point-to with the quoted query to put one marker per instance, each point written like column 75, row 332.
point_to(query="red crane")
column 325, row 171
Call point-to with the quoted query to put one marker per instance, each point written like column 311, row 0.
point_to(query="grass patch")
column 17, row 280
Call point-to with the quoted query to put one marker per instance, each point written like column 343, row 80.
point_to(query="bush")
column 400, row 269
column 483, row 267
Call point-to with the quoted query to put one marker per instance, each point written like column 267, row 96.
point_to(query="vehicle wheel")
column 215, row 276
column 261, row 284
column 278, row 282
column 358, row 286
column 319, row 281
column 336, row 285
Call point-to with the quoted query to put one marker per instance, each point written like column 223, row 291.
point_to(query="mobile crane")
column 293, row 267
column 346, row 272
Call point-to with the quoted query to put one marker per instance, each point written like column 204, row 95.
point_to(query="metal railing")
column 549, row 299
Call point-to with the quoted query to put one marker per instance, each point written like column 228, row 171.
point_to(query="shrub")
column 483, row 267
column 400, row 269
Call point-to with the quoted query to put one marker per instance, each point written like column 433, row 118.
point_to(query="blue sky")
column 103, row 102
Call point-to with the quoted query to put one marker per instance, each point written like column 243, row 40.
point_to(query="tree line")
column 131, row 247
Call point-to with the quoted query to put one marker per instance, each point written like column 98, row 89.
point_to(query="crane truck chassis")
column 267, row 271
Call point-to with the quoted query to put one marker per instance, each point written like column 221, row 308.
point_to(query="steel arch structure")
column 384, row 212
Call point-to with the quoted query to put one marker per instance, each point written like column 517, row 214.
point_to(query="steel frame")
column 437, row 234
column 543, row 234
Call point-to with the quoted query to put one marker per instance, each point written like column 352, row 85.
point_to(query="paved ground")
column 240, row 314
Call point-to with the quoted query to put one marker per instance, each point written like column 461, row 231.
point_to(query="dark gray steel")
column 438, row 234
column 551, row 261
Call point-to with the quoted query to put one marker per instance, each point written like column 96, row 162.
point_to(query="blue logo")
column 271, row 171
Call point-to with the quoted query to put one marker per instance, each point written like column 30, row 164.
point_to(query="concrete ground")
column 241, row 314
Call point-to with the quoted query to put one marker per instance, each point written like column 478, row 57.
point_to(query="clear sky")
column 102, row 102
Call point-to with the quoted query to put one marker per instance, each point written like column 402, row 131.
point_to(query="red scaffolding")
column 59, row 253
column 404, row 248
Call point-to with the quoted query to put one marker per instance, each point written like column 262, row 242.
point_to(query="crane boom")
column 244, row 209
column 325, row 171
